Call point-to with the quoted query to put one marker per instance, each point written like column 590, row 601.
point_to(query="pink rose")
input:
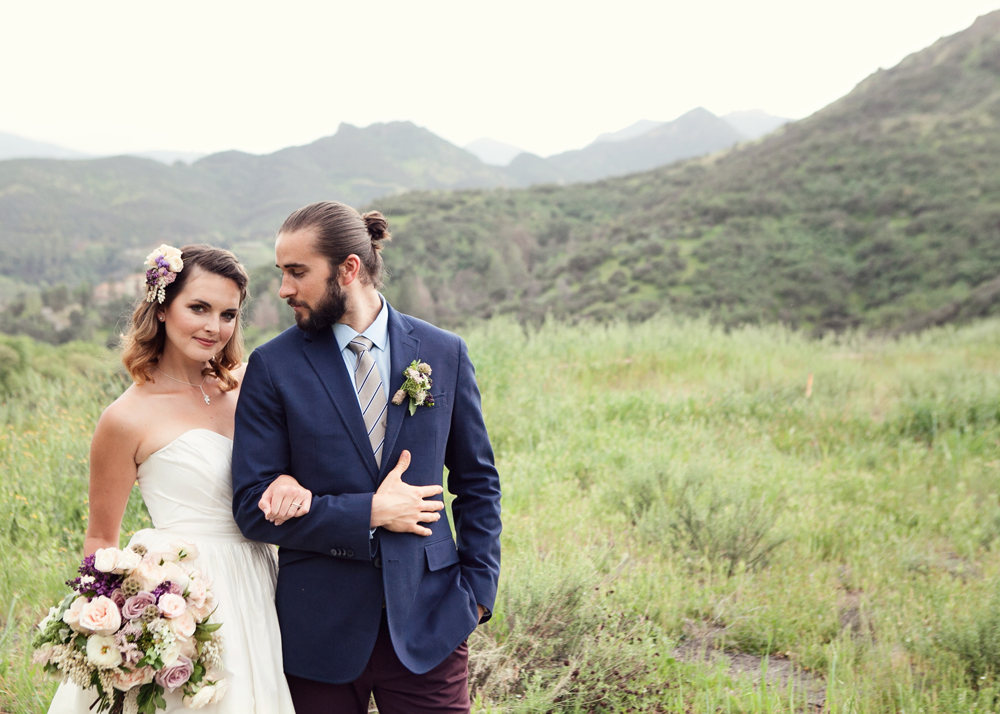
column 43, row 654
column 72, row 615
column 176, row 674
column 172, row 605
column 137, row 604
column 189, row 646
column 118, row 597
column 101, row 616
column 124, row 681
column 197, row 592
column 183, row 625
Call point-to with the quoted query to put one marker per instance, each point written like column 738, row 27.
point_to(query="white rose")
column 128, row 560
column 184, row 550
column 220, row 690
column 149, row 575
column 173, row 257
column 105, row 559
column 200, row 698
column 53, row 611
column 72, row 615
column 158, row 557
column 208, row 694
column 171, row 652
column 170, row 254
column 103, row 652
column 176, row 574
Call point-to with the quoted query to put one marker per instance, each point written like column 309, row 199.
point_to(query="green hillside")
column 882, row 210
column 75, row 221
column 874, row 211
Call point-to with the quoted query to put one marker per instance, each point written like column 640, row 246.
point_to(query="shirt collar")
column 377, row 332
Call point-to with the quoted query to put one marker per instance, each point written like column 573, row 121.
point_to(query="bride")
column 172, row 431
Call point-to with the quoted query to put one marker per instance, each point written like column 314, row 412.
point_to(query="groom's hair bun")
column 378, row 228
column 341, row 231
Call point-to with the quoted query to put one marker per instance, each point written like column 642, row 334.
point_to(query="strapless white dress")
column 188, row 490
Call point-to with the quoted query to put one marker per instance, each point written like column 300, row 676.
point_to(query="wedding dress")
column 187, row 488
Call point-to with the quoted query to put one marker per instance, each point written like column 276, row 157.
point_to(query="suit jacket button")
column 377, row 562
column 350, row 553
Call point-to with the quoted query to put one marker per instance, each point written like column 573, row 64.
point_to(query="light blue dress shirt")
column 378, row 333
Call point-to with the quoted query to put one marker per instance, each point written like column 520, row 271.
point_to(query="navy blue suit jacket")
column 298, row 414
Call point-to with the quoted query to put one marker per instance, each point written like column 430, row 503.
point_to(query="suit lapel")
column 403, row 349
column 323, row 353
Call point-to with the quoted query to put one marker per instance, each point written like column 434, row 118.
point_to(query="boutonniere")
column 417, row 386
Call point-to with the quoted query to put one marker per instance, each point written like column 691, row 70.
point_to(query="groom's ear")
column 350, row 270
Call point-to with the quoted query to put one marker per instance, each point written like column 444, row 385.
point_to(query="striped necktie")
column 368, row 383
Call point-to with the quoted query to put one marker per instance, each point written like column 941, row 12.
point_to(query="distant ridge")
column 18, row 147
column 492, row 152
column 754, row 123
column 695, row 133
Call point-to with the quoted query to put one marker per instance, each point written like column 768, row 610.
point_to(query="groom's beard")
column 327, row 312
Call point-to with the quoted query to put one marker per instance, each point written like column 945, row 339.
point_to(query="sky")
column 110, row 77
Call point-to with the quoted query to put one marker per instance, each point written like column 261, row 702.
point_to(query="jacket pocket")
column 440, row 402
column 441, row 554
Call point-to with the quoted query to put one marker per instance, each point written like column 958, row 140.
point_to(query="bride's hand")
column 285, row 499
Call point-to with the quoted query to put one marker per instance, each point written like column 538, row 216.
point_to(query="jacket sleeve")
column 335, row 525
column 473, row 478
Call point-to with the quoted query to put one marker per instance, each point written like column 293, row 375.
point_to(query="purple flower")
column 118, row 597
column 93, row 581
column 176, row 674
column 137, row 604
column 162, row 589
column 174, row 588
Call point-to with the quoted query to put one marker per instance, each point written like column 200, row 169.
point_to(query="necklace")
column 199, row 386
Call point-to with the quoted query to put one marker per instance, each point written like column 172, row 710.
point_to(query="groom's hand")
column 400, row 507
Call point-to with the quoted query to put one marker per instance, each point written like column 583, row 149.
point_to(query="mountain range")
column 882, row 210
column 98, row 215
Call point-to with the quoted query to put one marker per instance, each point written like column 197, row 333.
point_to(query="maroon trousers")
column 397, row 690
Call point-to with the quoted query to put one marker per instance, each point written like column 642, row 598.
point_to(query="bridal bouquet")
column 136, row 625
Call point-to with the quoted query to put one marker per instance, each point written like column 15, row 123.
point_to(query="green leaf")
column 413, row 406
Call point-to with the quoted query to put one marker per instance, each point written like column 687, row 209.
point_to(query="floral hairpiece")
column 164, row 263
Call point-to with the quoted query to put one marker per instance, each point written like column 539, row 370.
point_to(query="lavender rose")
column 137, row 604
column 176, row 674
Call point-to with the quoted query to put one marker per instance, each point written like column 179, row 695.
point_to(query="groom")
column 373, row 595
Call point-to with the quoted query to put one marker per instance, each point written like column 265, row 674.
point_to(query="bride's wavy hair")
column 143, row 343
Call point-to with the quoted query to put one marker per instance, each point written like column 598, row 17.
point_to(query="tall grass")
column 667, row 486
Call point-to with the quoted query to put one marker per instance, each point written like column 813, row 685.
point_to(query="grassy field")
column 694, row 520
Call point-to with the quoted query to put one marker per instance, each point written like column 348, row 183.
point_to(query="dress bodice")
column 188, row 486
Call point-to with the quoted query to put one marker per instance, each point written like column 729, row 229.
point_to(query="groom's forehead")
column 296, row 246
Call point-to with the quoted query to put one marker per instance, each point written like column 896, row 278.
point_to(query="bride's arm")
column 285, row 498
column 112, row 473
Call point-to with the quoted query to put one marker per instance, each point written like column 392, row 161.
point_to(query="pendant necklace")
column 199, row 386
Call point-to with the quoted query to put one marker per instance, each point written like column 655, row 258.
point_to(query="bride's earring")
column 161, row 318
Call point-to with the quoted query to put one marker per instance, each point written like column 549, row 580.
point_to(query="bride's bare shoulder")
column 124, row 417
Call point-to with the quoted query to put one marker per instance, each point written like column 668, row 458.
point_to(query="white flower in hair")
column 164, row 263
